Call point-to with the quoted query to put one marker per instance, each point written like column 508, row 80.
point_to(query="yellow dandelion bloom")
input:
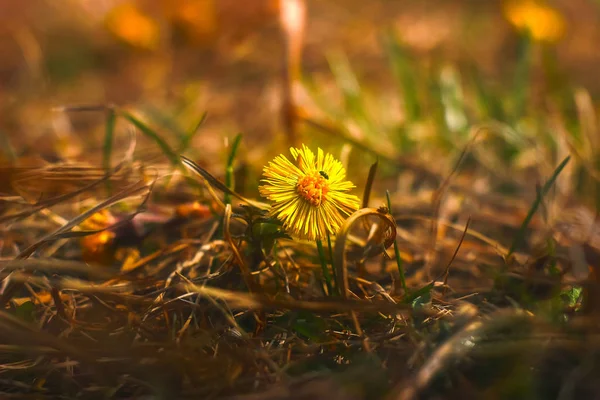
column 309, row 196
column 544, row 23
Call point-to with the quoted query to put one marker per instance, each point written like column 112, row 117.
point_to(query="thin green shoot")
column 186, row 141
column 397, row 250
column 164, row 146
column 229, row 178
column 109, row 132
column 536, row 204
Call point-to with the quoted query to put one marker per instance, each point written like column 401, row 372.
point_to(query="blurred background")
column 174, row 61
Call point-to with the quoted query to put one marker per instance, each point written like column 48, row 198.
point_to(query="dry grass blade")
column 438, row 197
column 19, row 331
column 63, row 175
column 462, row 238
column 246, row 273
column 83, row 108
column 456, row 347
column 498, row 248
column 384, row 153
column 262, row 302
column 339, row 254
column 339, row 251
column 138, row 188
column 16, row 349
column 211, row 182
column 369, row 184
column 56, row 266
column 169, row 250
column 64, row 283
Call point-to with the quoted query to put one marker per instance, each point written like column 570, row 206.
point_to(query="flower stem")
column 335, row 275
column 397, row 250
column 326, row 274
column 229, row 170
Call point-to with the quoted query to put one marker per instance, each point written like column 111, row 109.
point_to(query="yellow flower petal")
column 309, row 197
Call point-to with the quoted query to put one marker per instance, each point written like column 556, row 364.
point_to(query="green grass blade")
column 229, row 170
column 164, row 146
column 404, row 74
column 522, row 77
column 410, row 297
column 109, row 132
column 397, row 250
column 215, row 183
column 490, row 105
column 348, row 84
column 165, row 120
column 536, row 204
column 187, row 140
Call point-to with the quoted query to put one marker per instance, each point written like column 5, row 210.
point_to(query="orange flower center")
column 313, row 188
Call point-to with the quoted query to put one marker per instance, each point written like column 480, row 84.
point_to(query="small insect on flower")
column 309, row 196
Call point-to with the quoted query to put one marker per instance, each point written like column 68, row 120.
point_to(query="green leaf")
column 572, row 295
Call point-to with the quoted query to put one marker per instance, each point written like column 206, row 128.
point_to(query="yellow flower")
column 98, row 247
column 543, row 22
column 309, row 197
column 133, row 26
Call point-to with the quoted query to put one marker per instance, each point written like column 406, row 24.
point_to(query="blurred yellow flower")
column 98, row 247
column 98, row 220
column 544, row 23
column 196, row 18
column 309, row 197
column 132, row 26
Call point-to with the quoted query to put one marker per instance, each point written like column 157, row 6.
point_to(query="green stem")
column 397, row 250
column 326, row 274
column 109, row 131
column 229, row 170
column 335, row 275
